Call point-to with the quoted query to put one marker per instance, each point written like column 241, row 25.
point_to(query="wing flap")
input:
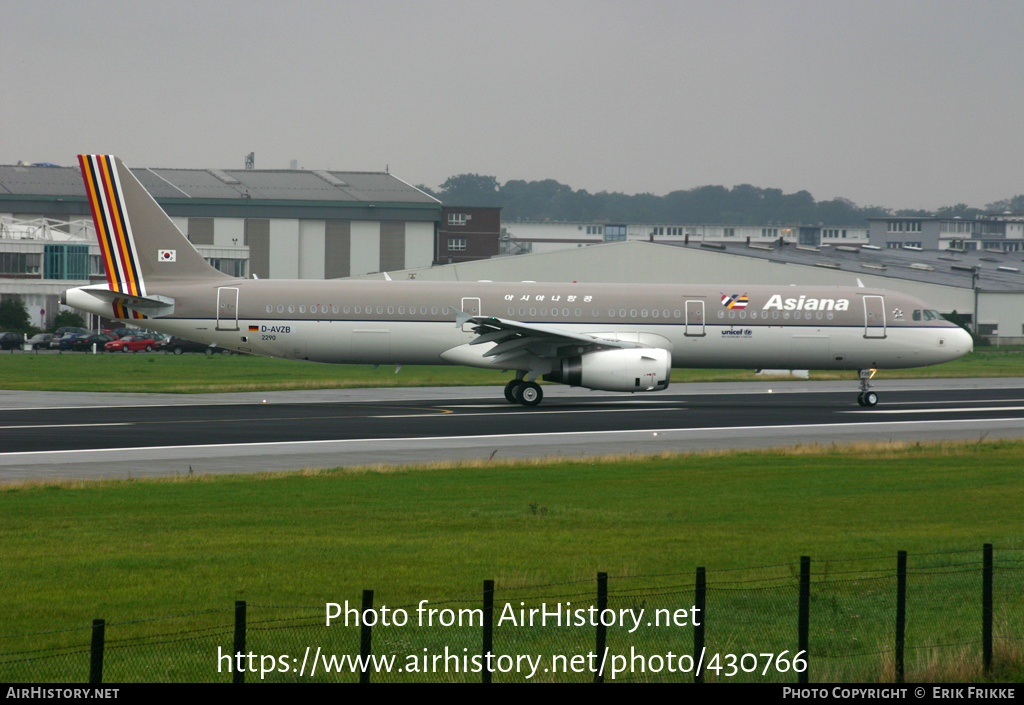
column 513, row 335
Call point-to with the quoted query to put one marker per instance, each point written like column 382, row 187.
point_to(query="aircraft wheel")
column 869, row 399
column 529, row 394
column 510, row 390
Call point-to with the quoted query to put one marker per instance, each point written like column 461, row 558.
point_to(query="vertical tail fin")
column 140, row 245
column 113, row 229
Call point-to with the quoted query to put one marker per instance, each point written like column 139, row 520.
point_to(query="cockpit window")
column 926, row 314
column 917, row 314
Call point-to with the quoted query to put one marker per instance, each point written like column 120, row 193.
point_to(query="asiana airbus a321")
column 616, row 337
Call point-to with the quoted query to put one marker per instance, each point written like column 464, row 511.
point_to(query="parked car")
column 85, row 342
column 11, row 341
column 39, row 340
column 58, row 335
column 183, row 345
column 67, row 341
column 131, row 343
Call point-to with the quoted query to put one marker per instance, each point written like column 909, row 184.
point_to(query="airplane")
column 613, row 337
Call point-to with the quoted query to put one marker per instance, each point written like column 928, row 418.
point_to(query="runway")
column 45, row 435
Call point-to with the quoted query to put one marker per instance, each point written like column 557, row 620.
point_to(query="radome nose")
column 962, row 342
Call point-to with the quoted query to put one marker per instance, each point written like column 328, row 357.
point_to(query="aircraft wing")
column 513, row 338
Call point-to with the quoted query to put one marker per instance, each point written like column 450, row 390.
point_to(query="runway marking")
column 572, row 400
column 67, row 425
column 934, row 411
column 956, row 401
column 298, row 417
column 390, row 442
column 547, row 412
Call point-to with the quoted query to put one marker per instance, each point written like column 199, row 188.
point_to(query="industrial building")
column 525, row 237
column 1000, row 233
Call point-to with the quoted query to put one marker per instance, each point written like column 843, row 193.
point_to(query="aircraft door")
column 227, row 308
column 874, row 317
column 694, row 318
column 471, row 306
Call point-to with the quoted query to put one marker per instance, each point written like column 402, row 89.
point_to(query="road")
column 74, row 435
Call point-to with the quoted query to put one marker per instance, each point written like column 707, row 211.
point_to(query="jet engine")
column 620, row 370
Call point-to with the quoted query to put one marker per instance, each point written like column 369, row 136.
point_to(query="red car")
column 131, row 343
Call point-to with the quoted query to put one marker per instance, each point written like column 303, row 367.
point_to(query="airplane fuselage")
column 411, row 322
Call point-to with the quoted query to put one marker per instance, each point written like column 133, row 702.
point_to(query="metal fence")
column 949, row 616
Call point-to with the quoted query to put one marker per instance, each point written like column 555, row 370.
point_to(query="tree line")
column 549, row 200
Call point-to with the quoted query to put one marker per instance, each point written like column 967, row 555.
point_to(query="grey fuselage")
column 414, row 322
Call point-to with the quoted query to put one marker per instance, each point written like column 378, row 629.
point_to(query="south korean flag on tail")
column 166, row 255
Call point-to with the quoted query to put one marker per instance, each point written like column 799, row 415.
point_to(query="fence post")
column 96, row 656
column 699, row 599
column 986, row 608
column 365, row 637
column 602, row 631
column 804, row 619
column 901, row 611
column 488, row 642
column 238, row 674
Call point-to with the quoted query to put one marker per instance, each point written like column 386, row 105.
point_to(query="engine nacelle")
column 622, row 370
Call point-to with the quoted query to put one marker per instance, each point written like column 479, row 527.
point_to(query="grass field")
column 288, row 543
column 217, row 373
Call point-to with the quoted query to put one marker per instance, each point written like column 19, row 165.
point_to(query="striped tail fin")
column 113, row 229
column 139, row 244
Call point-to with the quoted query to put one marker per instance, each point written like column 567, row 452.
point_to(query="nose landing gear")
column 867, row 398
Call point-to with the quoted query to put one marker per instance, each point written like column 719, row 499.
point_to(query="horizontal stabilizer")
column 152, row 306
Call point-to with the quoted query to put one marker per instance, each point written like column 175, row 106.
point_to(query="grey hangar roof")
column 942, row 267
column 230, row 193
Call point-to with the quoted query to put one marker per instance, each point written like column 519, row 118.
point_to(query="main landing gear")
column 866, row 398
column 519, row 391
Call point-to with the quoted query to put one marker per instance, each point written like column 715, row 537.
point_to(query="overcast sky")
column 906, row 104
